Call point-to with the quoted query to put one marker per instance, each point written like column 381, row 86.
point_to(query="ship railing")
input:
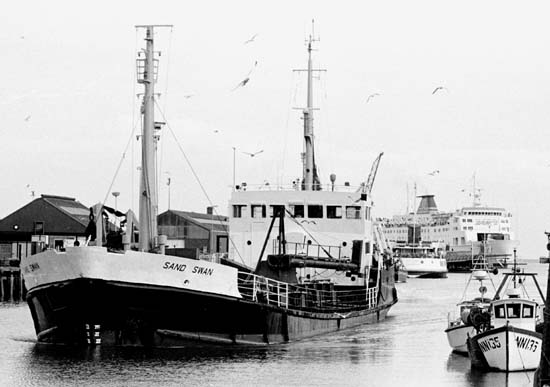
column 309, row 250
column 294, row 187
column 315, row 296
column 372, row 297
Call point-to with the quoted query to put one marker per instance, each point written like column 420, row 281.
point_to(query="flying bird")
column 308, row 221
column 433, row 173
column 187, row 96
column 253, row 154
column 27, row 118
column 251, row 39
column 439, row 88
column 241, row 84
column 372, row 96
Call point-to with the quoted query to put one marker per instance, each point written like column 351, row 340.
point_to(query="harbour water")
column 408, row 349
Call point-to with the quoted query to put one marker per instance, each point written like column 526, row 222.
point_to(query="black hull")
column 90, row 312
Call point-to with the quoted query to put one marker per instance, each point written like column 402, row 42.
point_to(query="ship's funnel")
column 427, row 205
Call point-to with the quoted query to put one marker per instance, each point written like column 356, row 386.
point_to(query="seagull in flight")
column 439, row 88
column 253, row 154
column 372, row 96
column 433, row 173
column 251, row 39
column 241, row 84
column 187, row 96
column 27, row 118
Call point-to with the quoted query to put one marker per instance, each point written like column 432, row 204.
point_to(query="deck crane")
column 366, row 187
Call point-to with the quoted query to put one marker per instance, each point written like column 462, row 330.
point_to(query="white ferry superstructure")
column 466, row 233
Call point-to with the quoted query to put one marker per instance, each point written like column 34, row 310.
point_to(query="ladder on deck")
column 480, row 263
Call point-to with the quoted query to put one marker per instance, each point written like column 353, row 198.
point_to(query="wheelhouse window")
column 239, row 210
column 367, row 213
column 258, row 210
column 513, row 311
column 334, row 212
column 353, row 212
column 297, row 210
column 276, row 209
column 499, row 311
column 527, row 311
column 314, row 211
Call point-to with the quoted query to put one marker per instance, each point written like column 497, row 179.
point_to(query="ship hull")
column 85, row 311
column 90, row 308
column 458, row 335
column 496, row 253
column 425, row 267
column 505, row 348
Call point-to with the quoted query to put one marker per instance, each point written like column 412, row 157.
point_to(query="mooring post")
column 11, row 286
column 542, row 375
column 1, row 285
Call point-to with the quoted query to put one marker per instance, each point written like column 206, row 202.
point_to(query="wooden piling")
column 11, row 285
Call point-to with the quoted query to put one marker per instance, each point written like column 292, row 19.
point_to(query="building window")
column 38, row 228
column 353, row 212
column 334, row 212
column 258, row 210
column 297, row 210
column 239, row 210
column 314, row 211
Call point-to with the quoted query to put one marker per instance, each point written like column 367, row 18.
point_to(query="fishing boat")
column 472, row 314
column 426, row 260
column 303, row 262
column 512, row 341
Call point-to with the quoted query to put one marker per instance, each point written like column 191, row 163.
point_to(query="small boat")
column 422, row 260
column 512, row 341
column 472, row 313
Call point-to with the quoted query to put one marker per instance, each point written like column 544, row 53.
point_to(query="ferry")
column 423, row 260
column 303, row 261
column 466, row 233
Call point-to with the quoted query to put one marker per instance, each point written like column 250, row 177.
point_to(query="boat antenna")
column 310, row 181
column 515, row 269
column 147, row 71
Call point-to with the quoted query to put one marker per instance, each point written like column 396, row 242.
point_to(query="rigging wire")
column 292, row 97
column 225, row 227
column 165, row 102
column 134, row 124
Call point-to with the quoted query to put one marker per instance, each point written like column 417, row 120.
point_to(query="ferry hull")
column 496, row 252
column 82, row 306
column 505, row 348
column 425, row 267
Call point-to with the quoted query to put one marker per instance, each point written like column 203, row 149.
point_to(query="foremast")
column 148, row 197
column 310, row 181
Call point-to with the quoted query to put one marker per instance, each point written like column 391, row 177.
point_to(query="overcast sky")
column 68, row 103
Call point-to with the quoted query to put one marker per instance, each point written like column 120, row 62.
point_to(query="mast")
column 310, row 179
column 148, row 199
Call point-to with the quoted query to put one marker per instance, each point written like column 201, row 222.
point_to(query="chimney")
column 209, row 210
column 427, row 205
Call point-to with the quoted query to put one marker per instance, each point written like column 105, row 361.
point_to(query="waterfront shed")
column 192, row 233
column 56, row 221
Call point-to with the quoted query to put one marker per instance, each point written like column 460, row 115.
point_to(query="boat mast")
column 310, row 179
column 308, row 125
column 148, row 200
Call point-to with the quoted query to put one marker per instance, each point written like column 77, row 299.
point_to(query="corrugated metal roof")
column 59, row 214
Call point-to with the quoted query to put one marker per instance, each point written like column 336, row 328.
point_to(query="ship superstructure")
column 466, row 232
